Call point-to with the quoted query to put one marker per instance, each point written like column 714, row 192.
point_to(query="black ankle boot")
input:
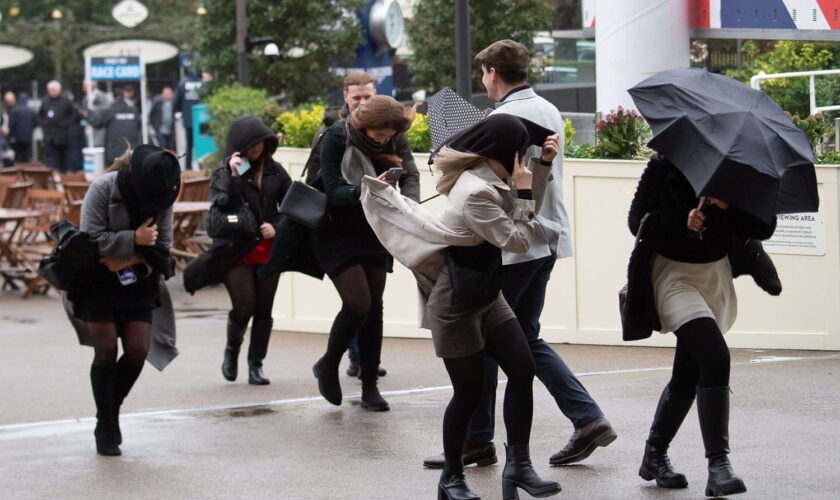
column 519, row 473
column 669, row 416
column 713, row 410
column 371, row 398
column 102, row 380
column 453, row 486
column 235, row 333
column 127, row 375
column 328, row 384
column 255, row 374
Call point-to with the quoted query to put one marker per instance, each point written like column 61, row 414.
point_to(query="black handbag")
column 475, row 273
column 636, row 326
column 304, row 204
column 233, row 223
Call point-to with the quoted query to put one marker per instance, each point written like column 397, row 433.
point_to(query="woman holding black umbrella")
column 128, row 213
column 691, row 276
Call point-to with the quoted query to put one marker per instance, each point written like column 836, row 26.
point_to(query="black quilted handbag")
column 231, row 224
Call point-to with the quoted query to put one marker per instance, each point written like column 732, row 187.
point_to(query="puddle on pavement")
column 254, row 411
column 22, row 321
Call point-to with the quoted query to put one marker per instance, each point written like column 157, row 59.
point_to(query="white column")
column 635, row 39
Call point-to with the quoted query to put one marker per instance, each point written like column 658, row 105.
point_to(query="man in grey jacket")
column 504, row 66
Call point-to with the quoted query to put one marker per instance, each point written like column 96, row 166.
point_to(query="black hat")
column 154, row 179
column 505, row 54
column 499, row 136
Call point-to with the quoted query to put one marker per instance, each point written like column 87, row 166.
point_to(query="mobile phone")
column 126, row 276
column 394, row 173
column 243, row 166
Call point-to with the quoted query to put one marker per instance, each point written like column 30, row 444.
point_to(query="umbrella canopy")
column 731, row 142
column 449, row 113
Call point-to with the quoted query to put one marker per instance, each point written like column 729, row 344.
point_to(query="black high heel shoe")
column 519, row 473
column 453, row 486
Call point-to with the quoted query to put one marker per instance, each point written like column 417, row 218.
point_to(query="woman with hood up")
column 261, row 187
column 128, row 214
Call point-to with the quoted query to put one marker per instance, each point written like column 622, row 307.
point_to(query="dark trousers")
column 166, row 141
column 523, row 286
column 189, row 157
column 23, row 151
column 58, row 156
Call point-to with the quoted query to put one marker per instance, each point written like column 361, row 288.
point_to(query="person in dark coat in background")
column 345, row 245
column 94, row 99
column 22, row 122
column 76, row 136
column 235, row 262
column 162, row 118
column 121, row 122
column 128, row 212
column 691, row 276
column 57, row 114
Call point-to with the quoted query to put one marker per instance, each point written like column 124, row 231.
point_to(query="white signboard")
column 798, row 234
column 130, row 13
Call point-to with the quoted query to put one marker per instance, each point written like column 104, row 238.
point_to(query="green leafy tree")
column 226, row 104
column 431, row 32
column 312, row 37
column 57, row 44
column 792, row 94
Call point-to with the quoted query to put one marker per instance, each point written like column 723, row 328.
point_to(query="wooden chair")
column 193, row 174
column 75, row 191
column 73, row 177
column 194, row 189
column 48, row 207
column 16, row 194
column 40, row 177
column 13, row 172
column 5, row 182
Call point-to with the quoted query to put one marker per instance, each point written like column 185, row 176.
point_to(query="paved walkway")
column 190, row 434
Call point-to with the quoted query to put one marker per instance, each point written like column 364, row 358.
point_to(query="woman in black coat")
column 235, row 262
column 691, row 277
column 347, row 248
column 128, row 213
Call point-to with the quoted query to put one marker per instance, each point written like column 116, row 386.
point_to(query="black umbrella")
column 730, row 141
column 449, row 113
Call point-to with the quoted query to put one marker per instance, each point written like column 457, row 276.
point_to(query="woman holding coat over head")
column 695, row 243
column 456, row 259
column 128, row 214
column 251, row 177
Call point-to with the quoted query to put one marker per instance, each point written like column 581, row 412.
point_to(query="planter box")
column 581, row 302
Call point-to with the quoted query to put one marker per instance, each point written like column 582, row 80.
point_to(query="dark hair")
column 511, row 76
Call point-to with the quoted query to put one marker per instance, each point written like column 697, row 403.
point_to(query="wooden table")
column 186, row 215
column 10, row 222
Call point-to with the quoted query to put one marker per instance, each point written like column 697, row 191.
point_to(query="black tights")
column 507, row 345
column 135, row 342
column 360, row 288
column 701, row 358
column 250, row 295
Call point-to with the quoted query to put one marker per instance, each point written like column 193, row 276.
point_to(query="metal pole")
column 463, row 64
column 241, row 35
column 144, row 115
column 813, row 91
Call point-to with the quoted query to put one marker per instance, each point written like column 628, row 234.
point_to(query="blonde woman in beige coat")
column 456, row 258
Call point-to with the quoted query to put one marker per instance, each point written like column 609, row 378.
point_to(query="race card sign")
column 798, row 234
column 115, row 68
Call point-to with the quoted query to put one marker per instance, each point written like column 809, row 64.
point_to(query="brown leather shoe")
column 584, row 441
column 475, row 452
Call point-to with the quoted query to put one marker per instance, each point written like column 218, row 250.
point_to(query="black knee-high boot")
column 235, row 333
column 453, row 486
column 713, row 410
column 344, row 328
column 260, row 334
column 370, row 349
column 669, row 416
column 519, row 473
column 102, row 381
column 126, row 376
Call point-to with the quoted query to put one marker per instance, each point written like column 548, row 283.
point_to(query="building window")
column 794, row 15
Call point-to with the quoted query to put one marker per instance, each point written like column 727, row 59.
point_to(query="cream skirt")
column 686, row 291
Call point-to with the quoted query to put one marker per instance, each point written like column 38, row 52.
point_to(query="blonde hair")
column 358, row 78
column 121, row 161
column 384, row 112
column 451, row 164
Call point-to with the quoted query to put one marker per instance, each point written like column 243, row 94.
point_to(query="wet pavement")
column 190, row 434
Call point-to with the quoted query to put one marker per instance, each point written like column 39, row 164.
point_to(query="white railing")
column 755, row 82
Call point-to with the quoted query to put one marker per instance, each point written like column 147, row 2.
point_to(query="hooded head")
column 247, row 131
column 150, row 183
column 499, row 137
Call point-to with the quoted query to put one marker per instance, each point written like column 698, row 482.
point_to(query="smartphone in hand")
column 394, row 173
column 244, row 166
